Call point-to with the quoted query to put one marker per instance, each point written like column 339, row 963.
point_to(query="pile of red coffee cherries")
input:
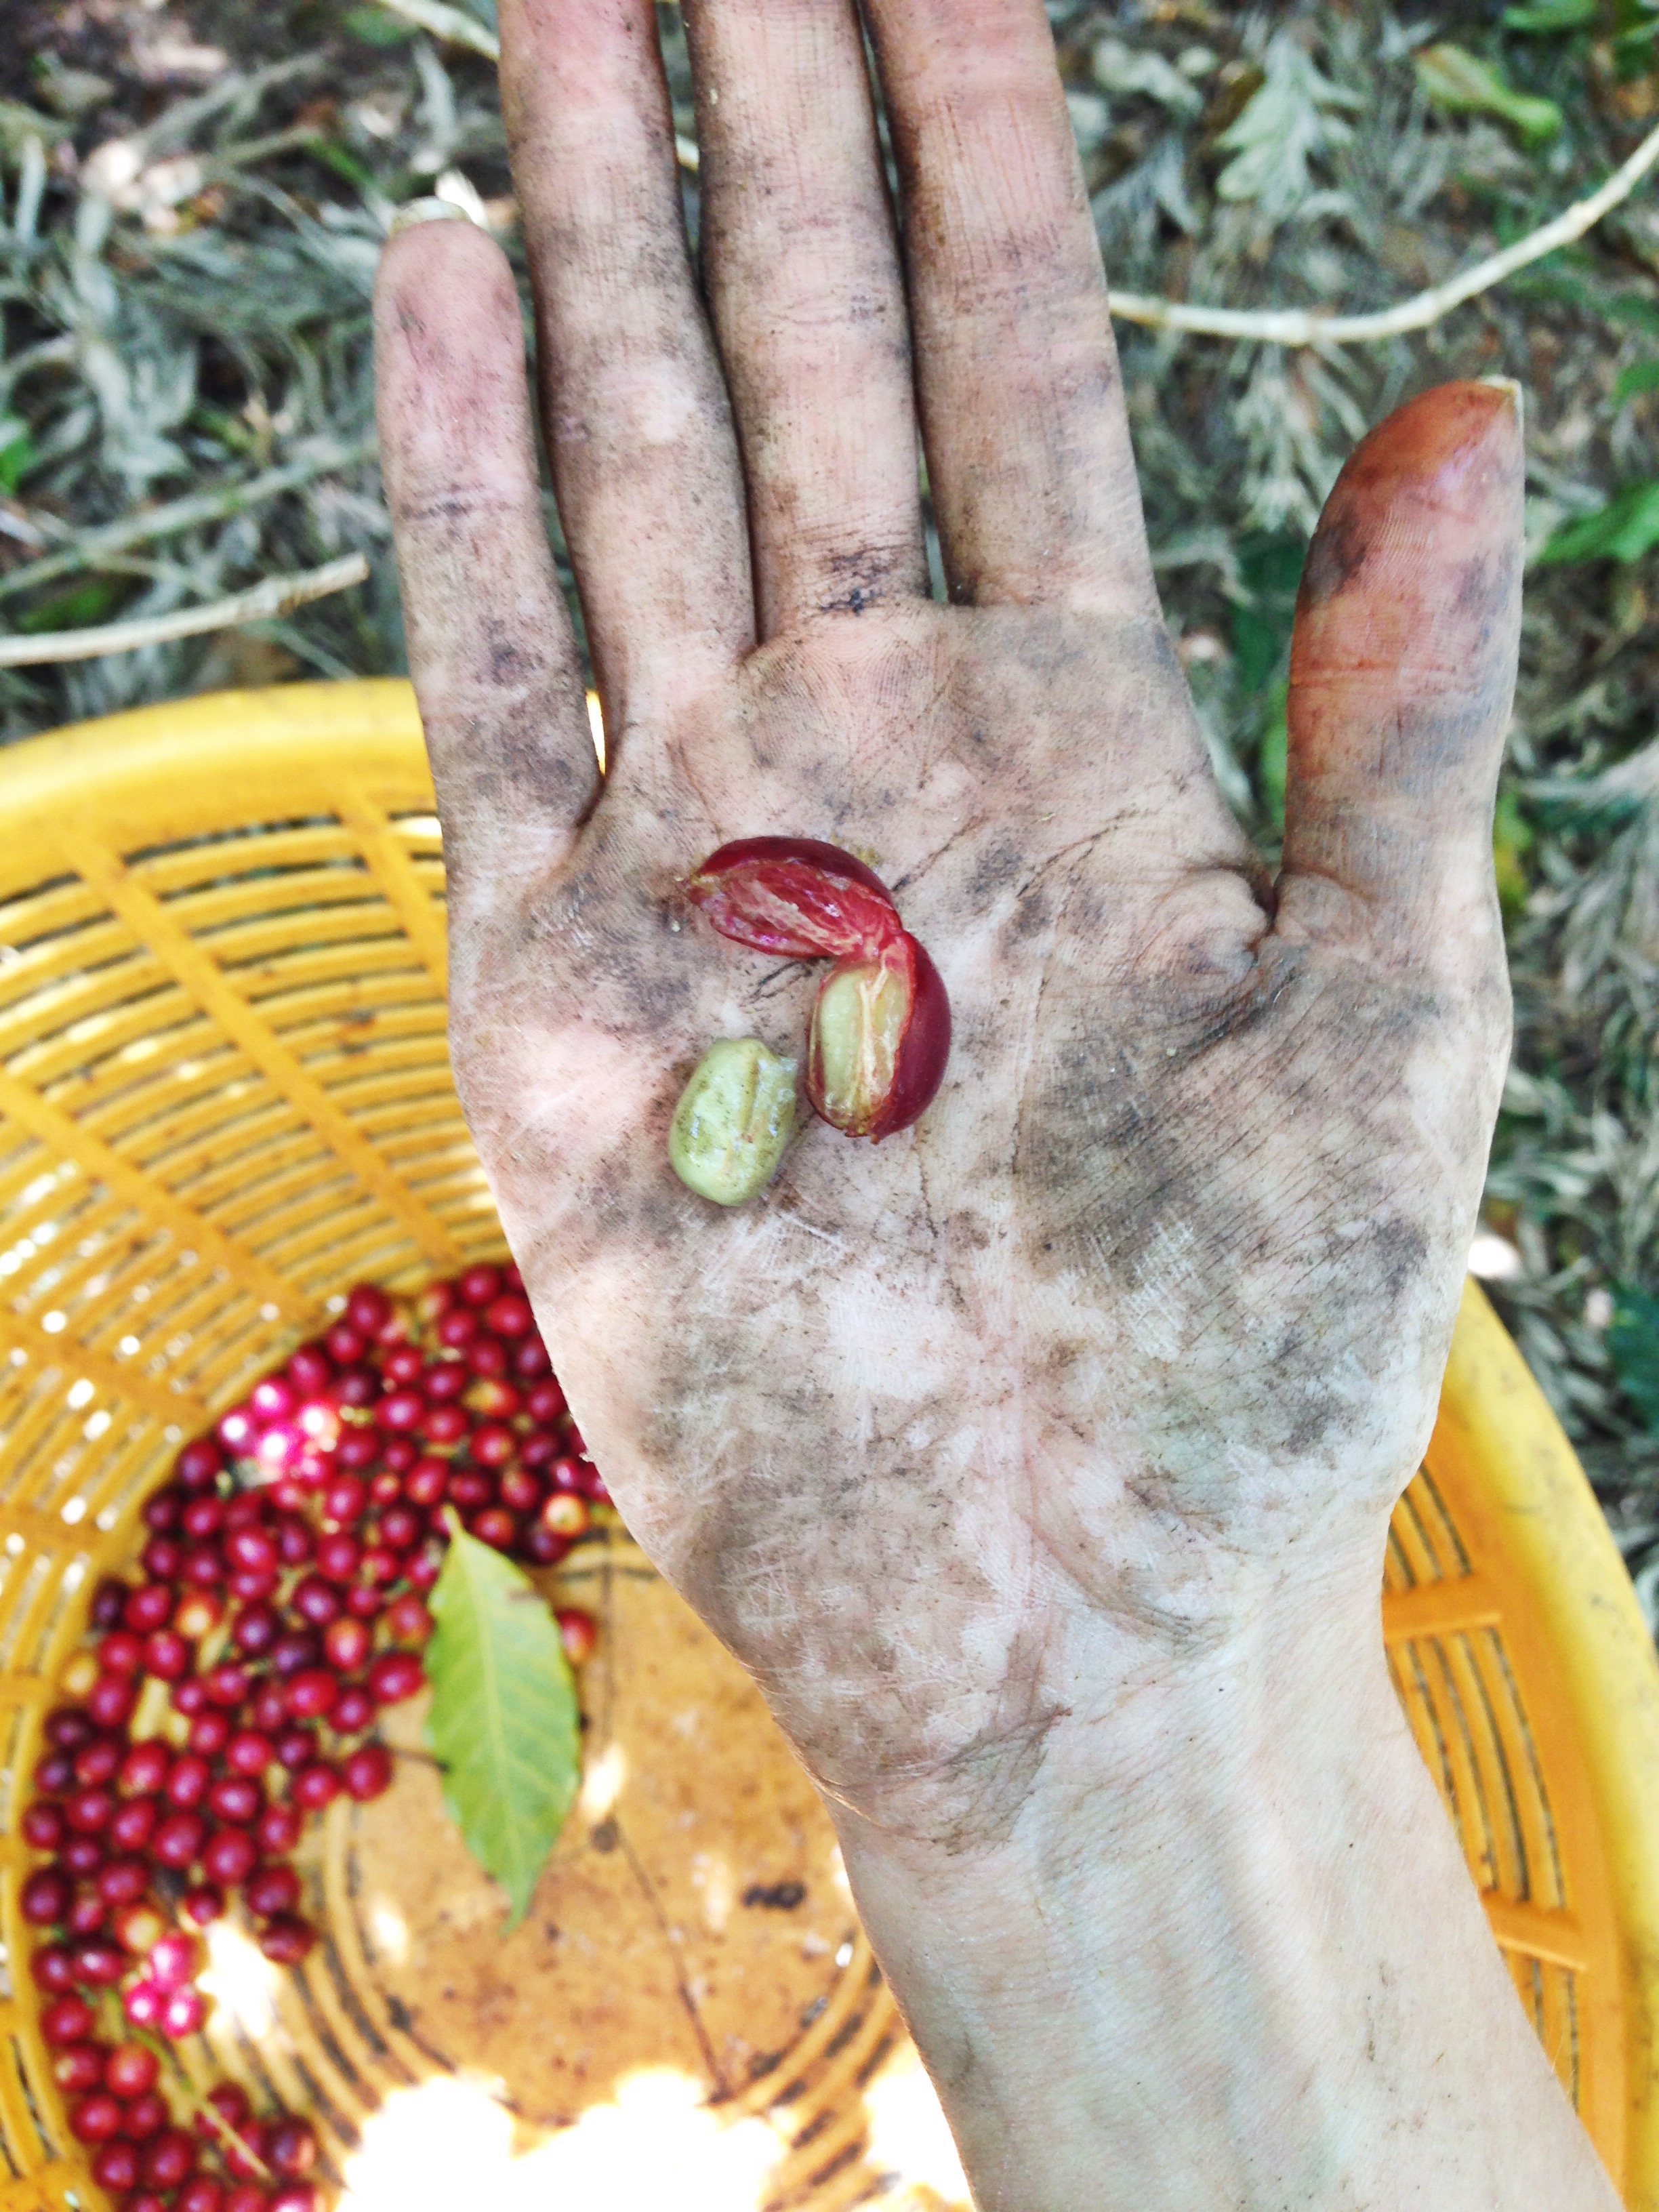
column 232, row 1687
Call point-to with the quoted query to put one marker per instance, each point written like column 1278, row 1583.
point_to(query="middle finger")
column 803, row 278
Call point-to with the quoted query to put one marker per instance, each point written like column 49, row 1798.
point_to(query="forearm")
column 1229, row 1955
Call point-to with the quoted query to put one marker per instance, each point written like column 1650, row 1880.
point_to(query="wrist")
column 1227, row 1942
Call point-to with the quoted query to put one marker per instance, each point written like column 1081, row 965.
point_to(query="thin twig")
column 278, row 595
column 214, row 505
column 461, row 29
column 1304, row 326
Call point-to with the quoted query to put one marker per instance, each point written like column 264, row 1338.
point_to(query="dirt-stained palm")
column 1140, row 1329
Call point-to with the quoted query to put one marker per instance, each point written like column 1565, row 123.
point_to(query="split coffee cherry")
column 880, row 1029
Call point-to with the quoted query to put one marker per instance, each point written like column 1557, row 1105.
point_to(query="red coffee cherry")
column 99, row 1964
column 279, row 1827
column 315, row 1787
column 177, row 1841
column 367, row 1772
column 229, row 1856
column 42, row 1827
column 43, row 1898
column 184, row 2012
column 115, row 2166
column 581, row 1632
column 123, row 1882
column 149, row 1607
column 346, row 1645
column 272, row 1888
column 167, row 1655
column 121, row 1652
column 291, row 2151
column 249, row 1752
column 132, row 1824
column 67, row 2020
column 235, row 1798
column 209, row 1732
column 95, row 2118
column 394, row 1676
column 146, row 2116
column 129, row 2069
column 188, row 1779
column 202, row 2192
column 286, row 1939
column 144, row 1769
column 203, row 1905
column 168, row 2159
column 312, row 1693
column 173, row 1958
column 77, row 2068
column 355, row 1710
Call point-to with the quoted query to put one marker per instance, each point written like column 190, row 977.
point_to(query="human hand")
column 957, row 1438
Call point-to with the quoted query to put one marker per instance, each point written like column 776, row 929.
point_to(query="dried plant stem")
column 1304, row 326
column 461, row 29
column 276, row 595
column 92, row 546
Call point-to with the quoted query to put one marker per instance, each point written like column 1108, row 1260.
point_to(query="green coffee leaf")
column 1461, row 83
column 1511, row 841
column 1624, row 530
column 1551, row 16
column 378, row 27
column 1640, row 376
column 1632, row 1342
column 1289, row 120
column 503, row 1721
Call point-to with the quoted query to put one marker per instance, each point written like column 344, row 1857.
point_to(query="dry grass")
column 186, row 407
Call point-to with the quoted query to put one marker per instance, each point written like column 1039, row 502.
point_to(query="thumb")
column 1402, row 677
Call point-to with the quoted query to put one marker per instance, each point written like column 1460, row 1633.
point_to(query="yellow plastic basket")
column 225, row 1096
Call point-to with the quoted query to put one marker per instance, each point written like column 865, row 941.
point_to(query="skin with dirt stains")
column 1001, row 1452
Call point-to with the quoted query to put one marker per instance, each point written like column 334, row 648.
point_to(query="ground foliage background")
column 194, row 198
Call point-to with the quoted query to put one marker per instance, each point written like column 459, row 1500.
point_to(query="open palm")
column 1141, row 1327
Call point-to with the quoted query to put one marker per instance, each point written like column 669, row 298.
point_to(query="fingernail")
column 428, row 210
column 1509, row 386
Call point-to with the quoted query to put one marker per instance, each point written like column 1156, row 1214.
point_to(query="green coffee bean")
column 735, row 1121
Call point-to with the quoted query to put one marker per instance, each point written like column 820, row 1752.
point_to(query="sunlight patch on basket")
column 450, row 2142
column 240, row 1979
column 908, row 2132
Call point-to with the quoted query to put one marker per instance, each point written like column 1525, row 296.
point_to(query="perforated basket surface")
column 224, row 1097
